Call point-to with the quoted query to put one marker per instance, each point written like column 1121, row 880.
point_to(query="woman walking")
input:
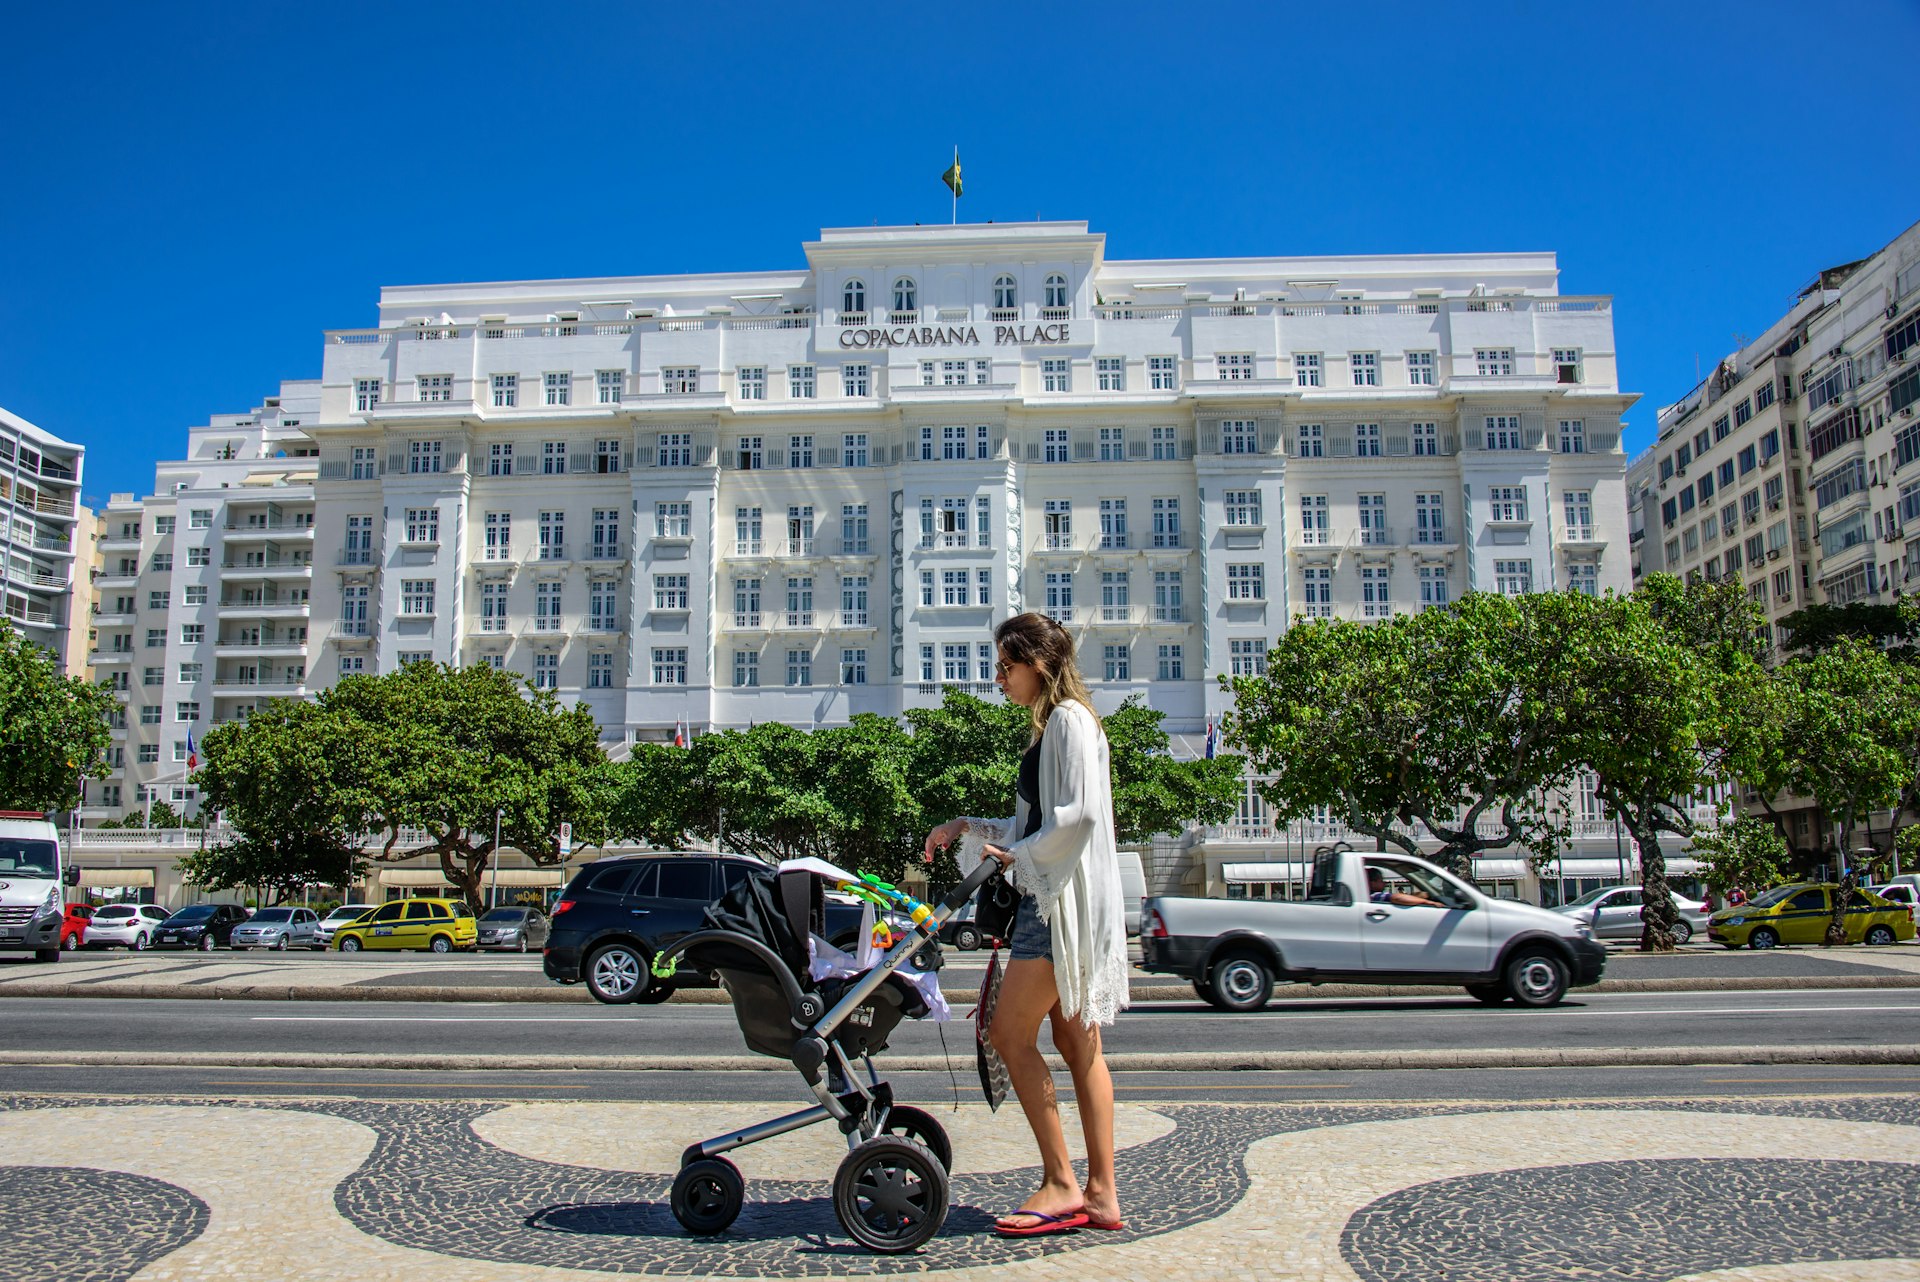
column 1069, row 945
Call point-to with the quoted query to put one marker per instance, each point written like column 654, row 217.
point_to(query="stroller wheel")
column 707, row 1195
column 890, row 1194
column 918, row 1124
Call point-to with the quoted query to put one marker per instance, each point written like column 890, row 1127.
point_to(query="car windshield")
column 1768, row 899
column 24, row 857
column 1590, row 896
column 112, row 911
column 505, row 914
column 346, row 912
column 199, row 912
column 274, row 914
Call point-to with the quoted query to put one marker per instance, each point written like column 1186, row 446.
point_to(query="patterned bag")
column 993, row 1072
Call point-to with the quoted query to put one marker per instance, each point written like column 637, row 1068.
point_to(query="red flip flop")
column 1048, row 1224
column 1108, row 1226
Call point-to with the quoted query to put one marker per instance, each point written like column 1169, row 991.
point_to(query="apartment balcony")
column 37, row 616
column 1373, row 539
column 1055, row 545
column 112, row 618
column 266, row 648
column 109, row 579
column 1585, row 537
column 60, row 547
column 266, row 567
column 751, row 621
column 262, row 608
column 247, row 531
column 109, row 658
column 262, row 687
column 109, row 543
column 605, row 554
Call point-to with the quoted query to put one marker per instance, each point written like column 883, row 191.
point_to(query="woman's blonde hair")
column 1041, row 642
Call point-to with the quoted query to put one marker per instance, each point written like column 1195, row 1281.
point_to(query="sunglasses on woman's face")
column 1002, row 669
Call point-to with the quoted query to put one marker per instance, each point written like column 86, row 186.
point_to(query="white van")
column 1133, row 887
column 33, row 882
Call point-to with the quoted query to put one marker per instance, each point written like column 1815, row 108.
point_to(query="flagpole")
column 956, row 187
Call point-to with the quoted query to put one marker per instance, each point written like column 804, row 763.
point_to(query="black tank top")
column 1029, row 788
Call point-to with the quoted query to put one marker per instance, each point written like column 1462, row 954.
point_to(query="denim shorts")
column 1032, row 938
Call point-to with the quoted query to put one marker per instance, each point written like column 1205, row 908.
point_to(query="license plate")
column 13, row 934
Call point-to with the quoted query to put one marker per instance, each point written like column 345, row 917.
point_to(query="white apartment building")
column 40, row 518
column 799, row 495
column 201, row 595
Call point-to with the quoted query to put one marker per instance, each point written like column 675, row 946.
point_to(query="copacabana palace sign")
column 952, row 336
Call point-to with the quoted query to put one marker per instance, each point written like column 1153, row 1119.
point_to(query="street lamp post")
column 493, row 891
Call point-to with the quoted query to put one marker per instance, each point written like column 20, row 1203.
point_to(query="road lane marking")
column 410, row 1085
column 1802, row 1081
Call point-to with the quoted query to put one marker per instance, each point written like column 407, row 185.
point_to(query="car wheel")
column 1240, row 982
column 617, row 974
column 281, row 944
column 46, row 954
column 967, row 938
column 523, row 942
column 441, row 944
column 350, row 944
column 207, row 942
column 1765, row 937
column 69, row 942
column 1491, row 994
column 1536, row 978
column 139, row 944
column 1682, row 932
column 1881, row 935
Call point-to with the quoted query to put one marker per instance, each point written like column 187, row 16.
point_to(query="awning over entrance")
column 109, row 878
column 420, row 877
column 1589, row 868
column 1240, row 874
column 1499, row 869
column 413, row 877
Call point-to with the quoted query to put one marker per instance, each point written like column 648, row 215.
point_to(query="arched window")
column 854, row 297
column 1004, row 296
column 905, row 297
column 1056, row 290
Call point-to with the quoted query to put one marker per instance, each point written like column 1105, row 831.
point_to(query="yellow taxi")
column 436, row 925
column 1798, row 914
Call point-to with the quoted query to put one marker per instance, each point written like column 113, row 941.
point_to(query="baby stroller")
column 890, row 1191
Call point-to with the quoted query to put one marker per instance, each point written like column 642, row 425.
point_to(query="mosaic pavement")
column 188, row 1190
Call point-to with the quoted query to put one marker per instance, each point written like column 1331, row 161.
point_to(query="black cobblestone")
column 73, row 1224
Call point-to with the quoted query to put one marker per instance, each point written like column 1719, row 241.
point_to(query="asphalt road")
column 1732, row 1020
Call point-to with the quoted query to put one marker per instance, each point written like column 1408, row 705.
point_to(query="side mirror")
column 71, row 875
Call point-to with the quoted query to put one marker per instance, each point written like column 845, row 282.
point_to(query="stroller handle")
column 966, row 890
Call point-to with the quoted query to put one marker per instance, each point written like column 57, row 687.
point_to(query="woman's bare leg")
column 1027, row 995
column 1080, row 1046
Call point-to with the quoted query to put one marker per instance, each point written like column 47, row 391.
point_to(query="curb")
column 1182, row 1061
column 1154, row 992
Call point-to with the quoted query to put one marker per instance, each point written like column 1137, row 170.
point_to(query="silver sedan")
column 1613, row 912
column 280, row 928
column 518, row 927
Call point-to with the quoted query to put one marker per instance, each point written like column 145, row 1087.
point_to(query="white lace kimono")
column 1070, row 865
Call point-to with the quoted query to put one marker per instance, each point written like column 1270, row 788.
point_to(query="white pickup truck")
column 1344, row 931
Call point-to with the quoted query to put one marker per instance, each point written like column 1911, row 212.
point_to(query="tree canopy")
column 55, row 727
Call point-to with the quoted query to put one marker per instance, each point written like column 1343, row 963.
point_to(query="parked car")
column 202, row 926
column 514, row 927
column 1613, row 912
column 131, row 926
column 436, row 925
column 1798, row 914
column 73, row 927
column 280, row 928
column 618, row 913
column 960, row 931
column 1233, row 949
column 1901, row 892
column 323, row 932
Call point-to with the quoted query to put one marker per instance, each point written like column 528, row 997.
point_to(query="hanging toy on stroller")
column 796, row 998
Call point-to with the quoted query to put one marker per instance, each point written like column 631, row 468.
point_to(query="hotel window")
column 1313, row 519
column 853, row 449
column 1166, row 523
column 423, row 525
column 799, row 668
column 675, row 450
column 155, row 601
column 607, row 385
column 1056, row 375
column 800, row 530
column 1239, row 436
column 363, row 468
column 853, row 528
column 1006, row 296
column 906, row 296
column 352, row 665
column 606, row 533
column 1426, row 438
column 603, row 606
column 1566, row 364
column 499, row 528
column 982, row 441
column 670, row 666
column 161, row 562
column 153, row 677
column 926, row 588
column 164, row 524
column 1573, row 438
column 498, row 662
column 553, row 536
column 752, row 381
column 746, row 603
column 1172, row 663
column 353, row 611
column 546, row 607
column 1242, row 507
column 1373, row 519
column 982, row 521
column 1503, row 432
column 1112, row 371
column 983, row 587
column 673, row 520
column 416, row 597
column 853, row 299
column 751, row 454
column 147, row 753
column 799, row 451
column 599, row 671
column 423, row 456
column 853, row 667
column 1579, row 505
column 1247, row 657
column 1118, row 664
column 1312, row 441
column 1726, row 474
column 493, row 607
column 1246, row 583
column 1317, row 588
column 1113, row 444
column 1234, row 367
column 982, row 372
column 1366, row 368
column 800, row 382
column 1163, row 375
column 553, row 458
column 1366, row 440
column 953, row 587
column 1420, row 369
column 670, row 591
column 506, row 391
column 559, row 389
column 1165, row 444
column 1056, row 291
column 680, row 380
column 1747, row 461
column 1059, row 587
column 1513, row 578
column 944, row 525
column 1058, row 516
column 1374, row 600
column 200, row 518
column 366, row 394
column 359, row 550
column 1492, row 362
column 1506, row 503
column 204, row 556
column 856, row 380
column 186, row 711
column 1055, row 445
column 747, row 532
column 1763, row 395
column 1168, row 606
column 1584, row 577
column 927, row 666
column 853, row 601
column 1306, row 369
column 1433, row 586
column 198, row 595
column 1429, row 515
column 434, row 387
column 500, row 458
column 1113, row 523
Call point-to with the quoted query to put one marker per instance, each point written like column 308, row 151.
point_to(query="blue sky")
column 194, row 192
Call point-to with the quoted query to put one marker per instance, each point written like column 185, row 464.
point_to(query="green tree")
column 966, row 761
column 1895, row 627
column 162, row 815
column 651, row 797
column 56, row 727
column 1748, row 853
column 1152, row 792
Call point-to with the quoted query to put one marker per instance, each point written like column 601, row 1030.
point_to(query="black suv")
column 617, row 913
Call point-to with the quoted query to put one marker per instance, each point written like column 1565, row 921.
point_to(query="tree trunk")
column 1843, row 897
column 1657, row 913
